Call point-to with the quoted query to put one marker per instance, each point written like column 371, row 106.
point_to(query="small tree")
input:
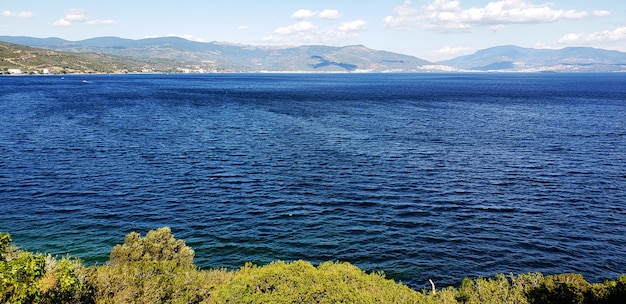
column 158, row 245
column 5, row 241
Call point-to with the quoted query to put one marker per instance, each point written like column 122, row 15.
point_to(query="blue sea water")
column 423, row 176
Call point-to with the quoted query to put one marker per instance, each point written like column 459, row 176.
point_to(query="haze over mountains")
column 173, row 54
column 516, row 58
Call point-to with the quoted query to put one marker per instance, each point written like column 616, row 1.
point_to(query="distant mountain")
column 514, row 58
column 20, row 59
column 216, row 56
column 174, row 54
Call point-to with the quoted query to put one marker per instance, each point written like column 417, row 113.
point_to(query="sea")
column 423, row 176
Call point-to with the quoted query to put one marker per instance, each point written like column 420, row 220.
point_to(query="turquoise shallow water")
column 424, row 176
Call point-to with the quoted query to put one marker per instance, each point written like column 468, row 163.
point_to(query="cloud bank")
column 449, row 15
column 306, row 31
column 609, row 36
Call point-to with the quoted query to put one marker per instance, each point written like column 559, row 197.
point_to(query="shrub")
column 34, row 278
column 19, row 278
column 492, row 290
column 610, row 292
column 154, row 269
column 158, row 245
column 564, row 288
column 65, row 281
column 159, row 269
column 155, row 282
column 5, row 242
column 617, row 291
column 301, row 282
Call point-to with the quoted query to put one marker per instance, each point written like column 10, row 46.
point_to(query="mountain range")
column 173, row 54
column 515, row 58
column 216, row 56
column 19, row 59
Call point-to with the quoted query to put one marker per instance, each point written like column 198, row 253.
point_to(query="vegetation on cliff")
column 29, row 60
column 159, row 269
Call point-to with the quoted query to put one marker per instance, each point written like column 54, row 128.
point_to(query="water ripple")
column 421, row 176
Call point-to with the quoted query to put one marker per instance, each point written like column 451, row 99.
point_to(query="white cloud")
column 306, row 31
column 353, row 26
column 601, row 13
column 100, row 22
column 541, row 45
column 571, row 38
column 609, row 36
column 618, row 34
column 18, row 15
column 74, row 16
column 329, row 14
column 243, row 28
column 404, row 17
column 451, row 51
column 449, row 15
column 301, row 26
column 303, row 14
column 444, row 6
column 62, row 22
column 188, row 37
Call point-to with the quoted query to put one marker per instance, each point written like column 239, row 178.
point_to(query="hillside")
column 173, row 54
column 200, row 56
column 19, row 59
column 514, row 58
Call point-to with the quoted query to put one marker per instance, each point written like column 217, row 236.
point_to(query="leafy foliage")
column 154, row 269
column 35, row 278
column 65, row 281
column 301, row 282
column 160, row 269
column 155, row 282
column 158, row 245
column 19, row 278
column 5, row 241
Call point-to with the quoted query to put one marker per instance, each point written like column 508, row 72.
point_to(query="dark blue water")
column 438, row 176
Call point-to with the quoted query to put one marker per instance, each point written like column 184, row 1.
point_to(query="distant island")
column 28, row 55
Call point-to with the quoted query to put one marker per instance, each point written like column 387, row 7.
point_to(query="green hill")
column 198, row 57
column 20, row 59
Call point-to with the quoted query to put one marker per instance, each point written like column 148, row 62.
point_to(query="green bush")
column 5, row 242
column 155, row 282
column 500, row 289
column 154, row 269
column 158, row 245
column 34, row 278
column 301, row 282
column 65, row 281
column 616, row 291
column 566, row 288
column 160, row 269
column 19, row 278
column 535, row 288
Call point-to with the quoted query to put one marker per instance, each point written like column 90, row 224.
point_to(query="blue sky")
column 429, row 29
